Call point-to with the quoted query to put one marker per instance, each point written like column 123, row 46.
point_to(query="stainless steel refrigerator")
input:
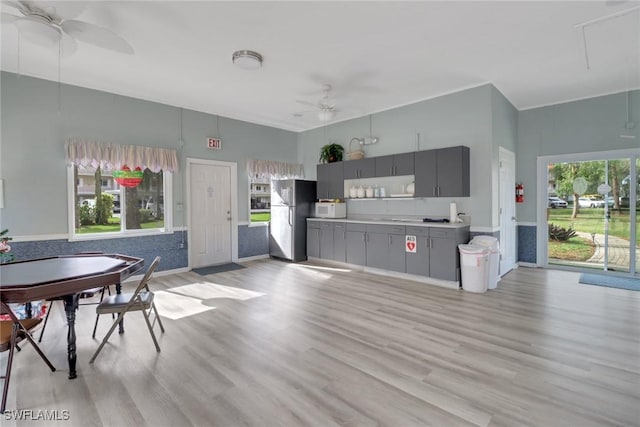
column 292, row 202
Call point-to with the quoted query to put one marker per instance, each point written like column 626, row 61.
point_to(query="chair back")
column 144, row 283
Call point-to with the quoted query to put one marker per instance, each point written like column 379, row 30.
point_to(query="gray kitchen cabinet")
column 340, row 242
column 444, row 259
column 385, row 247
column 418, row 262
column 326, row 240
column 364, row 168
column 330, row 181
column 394, row 165
column 442, row 173
column 356, row 245
column 378, row 250
column 397, row 260
column 313, row 239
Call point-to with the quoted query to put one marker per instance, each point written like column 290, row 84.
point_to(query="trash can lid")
column 488, row 241
column 473, row 249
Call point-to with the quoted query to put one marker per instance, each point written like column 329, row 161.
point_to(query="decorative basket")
column 355, row 155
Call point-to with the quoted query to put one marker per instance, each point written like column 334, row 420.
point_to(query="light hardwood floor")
column 278, row 344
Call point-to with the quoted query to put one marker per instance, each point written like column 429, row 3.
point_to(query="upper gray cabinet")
column 394, row 165
column 442, row 173
column 330, row 184
column 364, row 168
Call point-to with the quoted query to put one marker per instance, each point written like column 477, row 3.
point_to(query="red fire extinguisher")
column 519, row 193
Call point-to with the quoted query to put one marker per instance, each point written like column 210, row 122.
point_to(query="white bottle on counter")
column 369, row 192
column 383, row 192
column 360, row 192
column 376, row 191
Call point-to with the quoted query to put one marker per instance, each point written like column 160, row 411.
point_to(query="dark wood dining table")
column 64, row 277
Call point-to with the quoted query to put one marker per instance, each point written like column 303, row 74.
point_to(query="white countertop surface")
column 394, row 221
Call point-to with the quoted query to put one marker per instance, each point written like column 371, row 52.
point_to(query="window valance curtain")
column 83, row 152
column 274, row 169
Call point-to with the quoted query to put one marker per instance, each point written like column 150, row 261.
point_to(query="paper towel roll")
column 453, row 212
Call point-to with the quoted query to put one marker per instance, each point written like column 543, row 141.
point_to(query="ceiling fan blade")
column 8, row 18
column 310, row 104
column 96, row 35
column 69, row 45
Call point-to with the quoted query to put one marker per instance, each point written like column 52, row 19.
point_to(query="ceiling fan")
column 324, row 106
column 40, row 23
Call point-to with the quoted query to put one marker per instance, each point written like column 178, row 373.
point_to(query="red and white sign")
column 214, row 143
column 410, row 244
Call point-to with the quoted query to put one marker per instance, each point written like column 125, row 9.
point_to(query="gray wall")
column 36, row 123
column 504, row 119
column 585, row 126
column 462, row 118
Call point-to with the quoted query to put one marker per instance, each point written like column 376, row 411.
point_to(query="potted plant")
column 331, row 153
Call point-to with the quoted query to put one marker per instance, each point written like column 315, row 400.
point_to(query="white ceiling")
column 376, row 55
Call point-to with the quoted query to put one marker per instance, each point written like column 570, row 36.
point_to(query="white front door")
column 507, row 211
column 210, row 214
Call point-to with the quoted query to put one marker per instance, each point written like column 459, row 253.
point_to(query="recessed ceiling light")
column 247, row 59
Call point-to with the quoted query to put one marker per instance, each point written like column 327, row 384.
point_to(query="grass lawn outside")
column 574, row 249
column 114, row 226
column 261, row 217
column 591, row 220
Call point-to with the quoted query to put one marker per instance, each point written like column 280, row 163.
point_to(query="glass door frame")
column 542, row 235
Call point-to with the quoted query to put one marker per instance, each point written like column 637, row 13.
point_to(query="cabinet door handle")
column 438, row 191
column 434, row 191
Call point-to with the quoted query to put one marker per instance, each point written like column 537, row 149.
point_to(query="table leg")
column 70, row 307
column 121, row 324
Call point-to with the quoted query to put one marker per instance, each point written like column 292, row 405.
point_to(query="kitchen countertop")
column 389, row 221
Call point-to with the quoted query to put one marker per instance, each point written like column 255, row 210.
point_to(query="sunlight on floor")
column 188, row 300
column 317, row 271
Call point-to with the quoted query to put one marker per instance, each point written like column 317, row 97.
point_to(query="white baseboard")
column 138, row 277
column 415, row 278
column 253, row 258
column 528, row 264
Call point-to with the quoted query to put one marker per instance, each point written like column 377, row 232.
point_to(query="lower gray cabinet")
column 443, row 258
column 340, row 242
column 378, row 250
column 385, row 247
column 313, row 239
column 397, row 252
column 418, row 261
column 356, row 245
column 326, row 240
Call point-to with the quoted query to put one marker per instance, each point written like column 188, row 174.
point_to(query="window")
column 261, row 173
column 109, row 208
column 260, row 200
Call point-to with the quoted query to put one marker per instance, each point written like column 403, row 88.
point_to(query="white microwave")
column 331, row 210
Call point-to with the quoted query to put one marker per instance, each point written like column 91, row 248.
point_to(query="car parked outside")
column 557, row 202
column 590, row 202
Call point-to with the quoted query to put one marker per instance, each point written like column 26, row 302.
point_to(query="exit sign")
column 214, row 143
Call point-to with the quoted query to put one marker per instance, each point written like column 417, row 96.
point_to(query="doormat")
column 203, row 271
column 611, row 281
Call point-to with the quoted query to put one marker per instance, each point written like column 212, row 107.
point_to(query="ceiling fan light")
column 39, row 32
column 247, row 59
column 325, row 115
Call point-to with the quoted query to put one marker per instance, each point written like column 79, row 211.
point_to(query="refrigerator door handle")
column 290, row 223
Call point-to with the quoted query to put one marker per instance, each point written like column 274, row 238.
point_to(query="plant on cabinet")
column 331, row 153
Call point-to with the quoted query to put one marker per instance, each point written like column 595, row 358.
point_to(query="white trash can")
column 474, row 266
column 493, row 245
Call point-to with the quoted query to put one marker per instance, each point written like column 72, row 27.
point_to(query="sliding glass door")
column 592, row 213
